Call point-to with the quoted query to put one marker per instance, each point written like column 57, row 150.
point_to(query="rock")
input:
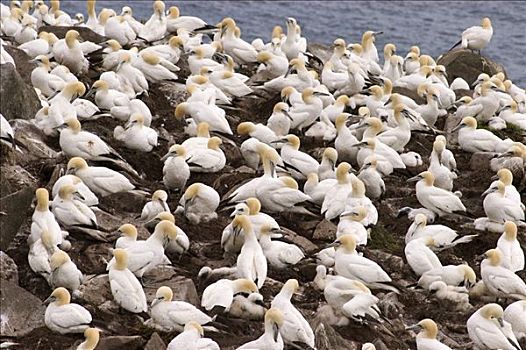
column 22, row 312
column 15, row 206
column 121, row 343
column 8, row 268
column 174, row 92
column 409, row 93
column 327, row 338
column 321, row 51
column 14, row 178
column 392, row 261
column 85, row 33
column 325, row 231
column 96, row 291
column 23, row 66
column 467, row 65
column 34, row 145
column 95, row 258
column 155, row 343
column 182, row 287
column 130, row 202
column 17, row 98
column 481, row 160
column 302, row 242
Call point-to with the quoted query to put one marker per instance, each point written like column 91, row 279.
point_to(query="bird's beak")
column 414, row 327
column 458, row 127
column 378, row 33
column 49, row 300
column 165, row 157
column 501, row 321
column 333, row 244
column 415, row 179
column 289, row 70
column 90, row 92
column 359, row 144
column 156, row 301
column 488, row 191
column 279, row 141
column 287, row 114
column 494, row 177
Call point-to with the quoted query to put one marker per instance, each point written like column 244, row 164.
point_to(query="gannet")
column 412, row 81
column 349, row 264
column 291, row 96
column 92, row 339
column 500, row 281
column 498, row 208
column 459, row 84
column 132, row 75
column 362, row 305
column 40, row 253
column 279, row 254
column 155, row 28
column 249, row 307
column 427, row 337
column 442, row 235
column 258, row 131
column 135, row 106
column 411, row 159
column 514, row 314
column 477, row 37
column 71, row 54
column 345, row 140
column 488, row 330
column 372, row 178
column 257, row 218
column 472, row 139
column 328, row 164
column 218, row 296
column 107, row 98
column 44, row 220
column 443, row 175
column 171, row 51
column 176, row 21
column 357, row 198
column 295, row 329
column 174, row 315
column 70, row 211
column 506, row 177
column 397, row 138
column 207, row 160
column 269, row 159
column 281, row 194
column 135, row 135
column 317, row 189
column 300, row 81
column 64, row 317
column 64, row 272
column 199, row 203
column 229, row 83
column 457, row 295
column 146, row 255
column 393, row 64
column 75, row 142
column 199, row 58
column 510, row 115
column 86, row 195
column 125, row 287
column 351, row 222
column 128, row 236
column 241, row 51
column 279, row 121
column 60, row 108
column 101, row 180
column 333, row 79
column 40, row 46
column 305, row 113
column 298, row 163
column 420, row 256
column 155, row 206
column 192, row 338
column 435, row 199
column 452, row 275
column 272, row 65
column 127, row 14
column 431, row 110
column 119, row 29
column 7, row 134
column 201, row 112
column 512, row 253
column 368, row 148
column 154, row 67
column 272, row 338
column 176, row 171
column 334, row 203
column 251, row 261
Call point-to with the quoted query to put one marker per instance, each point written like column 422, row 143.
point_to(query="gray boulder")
column 17, row 98
column 8, row 268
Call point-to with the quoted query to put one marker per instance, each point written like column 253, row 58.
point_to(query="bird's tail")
column 458, row 43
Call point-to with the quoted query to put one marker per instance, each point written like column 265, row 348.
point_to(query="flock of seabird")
column 344, row 187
